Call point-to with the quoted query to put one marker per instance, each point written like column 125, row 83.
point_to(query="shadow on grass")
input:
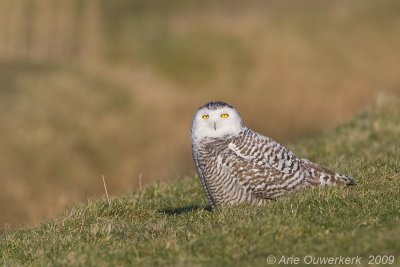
column 184, row 210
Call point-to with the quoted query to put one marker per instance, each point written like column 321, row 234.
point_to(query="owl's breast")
column 221, row 168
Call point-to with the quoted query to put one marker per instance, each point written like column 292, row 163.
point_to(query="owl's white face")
column 215, row 120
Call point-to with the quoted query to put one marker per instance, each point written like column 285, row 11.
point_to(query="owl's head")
column 215, row 120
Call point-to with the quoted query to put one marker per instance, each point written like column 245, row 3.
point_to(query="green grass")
column 169, row 224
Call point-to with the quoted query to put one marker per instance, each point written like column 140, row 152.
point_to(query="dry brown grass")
column 116, row 95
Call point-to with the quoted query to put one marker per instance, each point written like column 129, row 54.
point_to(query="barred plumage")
column 237, row 165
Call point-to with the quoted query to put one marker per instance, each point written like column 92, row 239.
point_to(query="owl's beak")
column 215, row 126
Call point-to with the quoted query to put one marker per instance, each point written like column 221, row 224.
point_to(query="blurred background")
column 96, row 87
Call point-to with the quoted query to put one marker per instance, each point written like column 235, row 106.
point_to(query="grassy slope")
column 167, row 224
column 65, row 122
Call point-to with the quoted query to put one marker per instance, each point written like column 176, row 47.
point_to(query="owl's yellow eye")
column 224, row 116
column 205, row 117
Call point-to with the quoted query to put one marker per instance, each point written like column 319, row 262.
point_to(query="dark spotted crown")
column 216, row 105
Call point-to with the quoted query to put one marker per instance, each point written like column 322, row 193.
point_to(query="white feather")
column 204, row 128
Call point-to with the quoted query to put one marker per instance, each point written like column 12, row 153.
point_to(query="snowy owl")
column 237, row 164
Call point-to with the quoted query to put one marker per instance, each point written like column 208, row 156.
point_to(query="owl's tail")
column 318, row 176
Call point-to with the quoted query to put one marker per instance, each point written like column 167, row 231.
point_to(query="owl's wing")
column 317, row 175
column 263, row 167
